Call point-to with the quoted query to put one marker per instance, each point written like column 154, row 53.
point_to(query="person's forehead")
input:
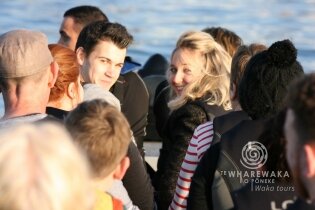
column 69, row 23
column 108, row 49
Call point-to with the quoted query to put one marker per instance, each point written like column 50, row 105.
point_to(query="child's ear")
column 309, row 167
column 122, row 168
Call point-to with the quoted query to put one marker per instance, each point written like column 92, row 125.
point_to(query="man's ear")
column 309, row 164
column 53, row 74
column 233, row 91
column 80, row 55
column 122, row 168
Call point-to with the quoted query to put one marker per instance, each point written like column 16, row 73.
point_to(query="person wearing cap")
column 127, row 85
column 27, row 74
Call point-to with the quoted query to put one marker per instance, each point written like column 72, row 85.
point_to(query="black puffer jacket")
column 178, row 132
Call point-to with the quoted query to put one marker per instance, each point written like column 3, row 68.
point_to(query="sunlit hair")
column 68, row 71
column 41, row 169
column 229, row 40
column 214, row 81
column 241, row 58
column 103, row 133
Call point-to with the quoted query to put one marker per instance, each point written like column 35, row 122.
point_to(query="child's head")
column 104, row 134
column 41, row 168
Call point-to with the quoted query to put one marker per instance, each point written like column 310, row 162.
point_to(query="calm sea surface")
column 156, row 24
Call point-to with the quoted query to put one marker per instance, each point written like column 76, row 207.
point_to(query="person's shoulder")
column 107, row 201
column 131, row 76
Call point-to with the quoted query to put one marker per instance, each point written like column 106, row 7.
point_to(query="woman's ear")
column 71, row 90
column 80, row 55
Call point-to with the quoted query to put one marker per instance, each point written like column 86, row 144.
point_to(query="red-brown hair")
column 68, row 70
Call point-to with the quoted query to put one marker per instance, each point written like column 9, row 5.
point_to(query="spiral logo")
column 254, row 155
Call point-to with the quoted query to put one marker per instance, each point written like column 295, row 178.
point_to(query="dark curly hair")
column 266, row 79
column 301, row 99
column 103, row 31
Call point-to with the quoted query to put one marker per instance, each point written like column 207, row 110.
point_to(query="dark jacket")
column 260, row 195
column 136, row 179
column 178, row 132
column 134, row 99
column 300, row 204
column 200, row 195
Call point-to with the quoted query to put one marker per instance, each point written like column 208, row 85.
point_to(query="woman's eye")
column 187, row 71
column 173, row 70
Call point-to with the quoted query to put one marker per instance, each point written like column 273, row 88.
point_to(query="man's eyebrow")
column 104, row 57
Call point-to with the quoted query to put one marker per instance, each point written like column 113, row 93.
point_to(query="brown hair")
column 301, row 99
column 241, row 58
column 102, row 131
column 229, row 40
column 68, row 70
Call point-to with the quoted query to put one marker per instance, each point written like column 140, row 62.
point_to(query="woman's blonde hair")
column 213, row 84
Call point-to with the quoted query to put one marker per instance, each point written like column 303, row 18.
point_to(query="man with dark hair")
column 299, row 131
column 101, row 49
column 74, row 21
column 126, row 86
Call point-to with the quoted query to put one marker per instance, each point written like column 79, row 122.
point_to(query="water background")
column 156, row 24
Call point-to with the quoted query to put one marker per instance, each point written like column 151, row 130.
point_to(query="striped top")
column 199, row 143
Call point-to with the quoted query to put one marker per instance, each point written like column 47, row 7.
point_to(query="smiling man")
column 101, row 49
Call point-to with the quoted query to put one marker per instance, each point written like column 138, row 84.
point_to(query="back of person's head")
column 214, row 79
column 85, row 14
column 41, row 169
column 274, row 141
column 68, row 71
column 24, row 55
column 266, row 79
column 102, row 131
column 301, row 100
column 229, row 40
column 103, row 31
column 240, row 60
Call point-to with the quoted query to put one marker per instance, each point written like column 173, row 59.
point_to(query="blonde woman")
column 199, row 80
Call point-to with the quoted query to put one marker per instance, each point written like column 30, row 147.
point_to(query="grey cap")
column 23, row 53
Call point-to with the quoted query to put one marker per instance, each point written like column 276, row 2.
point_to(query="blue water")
column 156, row 24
